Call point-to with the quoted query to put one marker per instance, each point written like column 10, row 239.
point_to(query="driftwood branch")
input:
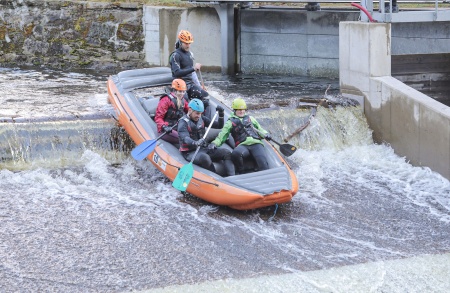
column 301, row 128
column 323, row 103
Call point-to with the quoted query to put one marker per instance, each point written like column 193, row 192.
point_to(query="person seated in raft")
column 182, row 65
column 191, row 129
column 170, row 109
column 247, row 134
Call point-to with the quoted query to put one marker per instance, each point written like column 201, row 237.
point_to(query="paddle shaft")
column 204, row 136
column 201, row 79
column 168, row 131
column 262, row 134
column 286, row 149
column 146, row 147
column 276, row 142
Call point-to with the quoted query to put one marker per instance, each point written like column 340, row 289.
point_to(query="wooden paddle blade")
column 143, row 150
column 183, row 178
column 287, row 149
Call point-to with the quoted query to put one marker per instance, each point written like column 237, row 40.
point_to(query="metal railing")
column 315, row 1
column 388, row 11
column 391, row 13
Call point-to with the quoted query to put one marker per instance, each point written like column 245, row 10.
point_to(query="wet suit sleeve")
column 220, row 120
column 258, row 127
column 207, row 121
column 223, row 135
column 161, row 111
column 177, row 71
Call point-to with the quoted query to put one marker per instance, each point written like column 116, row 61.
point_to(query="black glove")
column 205, row 102
column 268, row 137
column 212, row 146
column 199, row 142
column 219, row 109
column 167, row 128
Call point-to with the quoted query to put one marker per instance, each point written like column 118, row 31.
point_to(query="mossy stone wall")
column 71, row 34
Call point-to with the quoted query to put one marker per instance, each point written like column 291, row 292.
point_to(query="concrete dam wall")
column 80, row 35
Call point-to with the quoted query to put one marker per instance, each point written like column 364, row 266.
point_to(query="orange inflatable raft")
column 135, row 95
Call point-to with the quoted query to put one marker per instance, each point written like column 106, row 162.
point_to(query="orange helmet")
column 185, row 37
column 179, row 84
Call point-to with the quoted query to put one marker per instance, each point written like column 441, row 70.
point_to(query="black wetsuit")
column 182, row 65
column 242, row 128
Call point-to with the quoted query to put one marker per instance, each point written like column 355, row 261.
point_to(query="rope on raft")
column 274, row 213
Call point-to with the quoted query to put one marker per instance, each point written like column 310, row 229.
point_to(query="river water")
column 78, row 214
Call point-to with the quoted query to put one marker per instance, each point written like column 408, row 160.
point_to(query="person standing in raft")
column 192, row 128
column 170, row 109
column 247, row 134
column 182, row 65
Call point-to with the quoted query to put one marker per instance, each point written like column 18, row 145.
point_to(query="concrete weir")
column 417, row 126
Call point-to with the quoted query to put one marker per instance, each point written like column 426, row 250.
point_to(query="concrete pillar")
column 364, row 53
column 227, row 40
column 151, row 32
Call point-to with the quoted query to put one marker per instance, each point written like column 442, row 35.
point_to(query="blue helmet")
column 196, row 105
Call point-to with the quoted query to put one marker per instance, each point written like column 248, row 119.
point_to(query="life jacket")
column 196, row 131
column 173, row 113
column 242, row 129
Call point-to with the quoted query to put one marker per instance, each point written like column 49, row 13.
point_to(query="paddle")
column 144, row 149
column 285, row 148
column 184, row 176
column 201, row 79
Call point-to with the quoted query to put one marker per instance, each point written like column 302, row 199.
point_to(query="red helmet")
column 179, row 84
column 185, row 37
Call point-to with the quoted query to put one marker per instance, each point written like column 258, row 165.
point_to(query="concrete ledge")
column 428, row 271
column 417, row 126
